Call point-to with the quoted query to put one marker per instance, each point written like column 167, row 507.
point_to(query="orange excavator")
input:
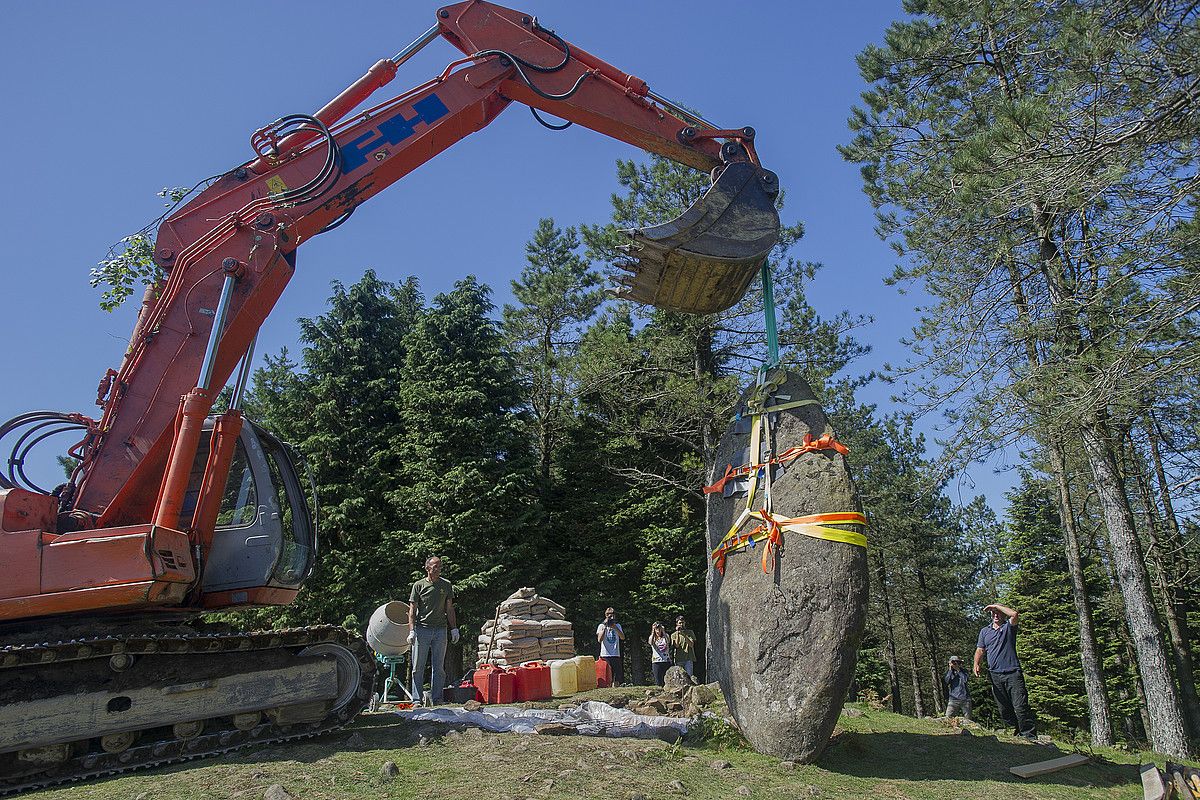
column 172, row 511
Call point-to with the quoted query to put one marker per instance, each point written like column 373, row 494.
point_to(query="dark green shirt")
column 430, row 601
column 684, row 642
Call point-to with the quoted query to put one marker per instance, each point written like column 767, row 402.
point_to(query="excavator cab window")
column 239, row 503
column 265, row 535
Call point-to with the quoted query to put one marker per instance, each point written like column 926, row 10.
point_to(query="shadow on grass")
column 922, row 757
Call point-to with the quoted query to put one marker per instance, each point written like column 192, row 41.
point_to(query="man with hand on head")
column 999, row 641
column 430, row 611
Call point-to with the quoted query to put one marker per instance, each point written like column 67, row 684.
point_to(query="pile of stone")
column 529, row 627
column 680, row 696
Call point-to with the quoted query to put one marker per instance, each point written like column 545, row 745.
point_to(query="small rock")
column 389, row 770
column 356, row 741
column 674, row 707
column 423, row 742
column 473, row 733
column 451, row 735
column 852, row 712
column 720, row 764
column 554, row 729
column 676, row 678
column 690, row 759
column 676, row 786
column 789, row 765
column 814, row 791
column 472, row 705
column 549, row 783
column 277, row 792
column 620, row 701
column 744, row 791
column 702, row 695
column 963, row 732
column 257, row 775
column 638, row 796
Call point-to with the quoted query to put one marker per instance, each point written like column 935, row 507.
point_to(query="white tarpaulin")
column 591, row 718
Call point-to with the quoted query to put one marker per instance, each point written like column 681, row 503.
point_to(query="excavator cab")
column 702, row 261
column 265, row 536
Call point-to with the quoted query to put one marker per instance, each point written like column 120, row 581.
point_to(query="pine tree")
column 464, row 482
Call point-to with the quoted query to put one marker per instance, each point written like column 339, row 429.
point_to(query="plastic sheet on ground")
column 590, row 718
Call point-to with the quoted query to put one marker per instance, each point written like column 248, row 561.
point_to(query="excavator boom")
column 172, row 512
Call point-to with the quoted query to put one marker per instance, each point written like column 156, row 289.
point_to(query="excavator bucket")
column 702, row 261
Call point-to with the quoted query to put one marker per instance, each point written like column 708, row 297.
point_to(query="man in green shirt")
column 430, row 611
column 684, row 642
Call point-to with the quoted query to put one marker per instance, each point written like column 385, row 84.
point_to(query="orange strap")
column 826, row 442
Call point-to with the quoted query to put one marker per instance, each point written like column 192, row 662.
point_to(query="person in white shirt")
column 660, row 652
column 610, row 634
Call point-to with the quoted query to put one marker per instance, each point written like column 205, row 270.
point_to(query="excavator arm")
column 229, row 253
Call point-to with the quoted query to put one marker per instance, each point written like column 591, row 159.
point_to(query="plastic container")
column 585, row 673
column 533, row 682
column 603, row 674
column 563, row 678
column 460, row 694
column 387, row 632
column 496, row 684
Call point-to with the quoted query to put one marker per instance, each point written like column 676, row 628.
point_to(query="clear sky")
column 106, row 103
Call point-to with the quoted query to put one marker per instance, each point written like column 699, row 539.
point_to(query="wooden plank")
column 1046, row 767
column 1153, row 786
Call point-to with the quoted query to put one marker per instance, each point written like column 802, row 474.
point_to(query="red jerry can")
column 496, row 684
column 603, row 673
column 533, row 682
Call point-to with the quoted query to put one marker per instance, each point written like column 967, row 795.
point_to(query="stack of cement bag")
column 528, row 628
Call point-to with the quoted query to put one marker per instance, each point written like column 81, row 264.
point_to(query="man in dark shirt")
column 999, row 641
column 959, row 699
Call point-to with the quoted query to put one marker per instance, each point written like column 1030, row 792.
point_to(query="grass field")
column 876, row 755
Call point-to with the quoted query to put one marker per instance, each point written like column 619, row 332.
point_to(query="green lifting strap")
column 769, row 312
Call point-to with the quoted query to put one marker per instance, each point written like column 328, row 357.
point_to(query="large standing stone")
column 783, row 645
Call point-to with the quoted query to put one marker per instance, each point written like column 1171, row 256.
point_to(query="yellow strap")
column 818, row 526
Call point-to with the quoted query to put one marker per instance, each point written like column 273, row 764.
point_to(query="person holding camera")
column 999, row 641
column 958, row 701
column 660, row 652
column 610, row 634
column 684, row 642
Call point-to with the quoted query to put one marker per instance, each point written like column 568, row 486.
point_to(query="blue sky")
column 108, row 103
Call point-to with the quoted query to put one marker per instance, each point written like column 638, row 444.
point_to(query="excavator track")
column 26, row 765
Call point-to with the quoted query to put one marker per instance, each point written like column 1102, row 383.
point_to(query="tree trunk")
column 1162, row 702
column 889, row 633
column 631, row 649
column 918, row 704
column 914, row 670
column 1099, row 716
column 1164, row 582
column 932, row 650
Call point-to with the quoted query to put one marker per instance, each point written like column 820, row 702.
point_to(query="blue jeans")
column 430, row 642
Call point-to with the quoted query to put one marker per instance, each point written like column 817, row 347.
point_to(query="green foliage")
column 130, row 262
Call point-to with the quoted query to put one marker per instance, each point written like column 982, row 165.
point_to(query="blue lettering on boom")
column 392, row 131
